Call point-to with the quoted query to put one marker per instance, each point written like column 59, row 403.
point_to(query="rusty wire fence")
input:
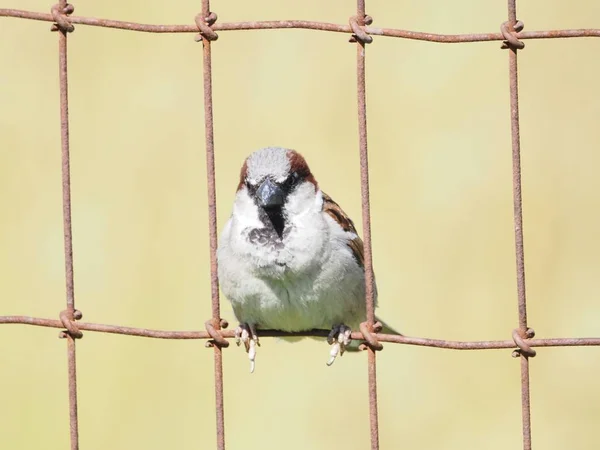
column 359, row 27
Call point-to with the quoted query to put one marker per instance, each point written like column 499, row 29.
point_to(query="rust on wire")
column 204, row 21
column 215, row 334
column 510, row 37
column 359, row 26
column 204, row 27
column 68, row 321
column 305, row 25
column 60, row 14
column 229, row 334
column 361, row 37
column 512, row 43
column 371, row 340
column 358, row 31
column 524, row 347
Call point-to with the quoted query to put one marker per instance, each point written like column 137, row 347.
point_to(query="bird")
column 289, row 258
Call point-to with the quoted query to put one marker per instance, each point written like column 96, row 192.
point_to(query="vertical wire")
column 212, row 225
column 518, row 226
column 366, row 219
column 67, row 229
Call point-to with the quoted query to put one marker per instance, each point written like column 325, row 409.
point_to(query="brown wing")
column 356, row 245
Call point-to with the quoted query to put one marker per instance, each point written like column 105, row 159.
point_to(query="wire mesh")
column 361, row 31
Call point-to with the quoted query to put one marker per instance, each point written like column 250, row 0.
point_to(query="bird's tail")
column 387, row 329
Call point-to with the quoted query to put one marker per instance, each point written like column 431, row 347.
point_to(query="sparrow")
column 289, row 258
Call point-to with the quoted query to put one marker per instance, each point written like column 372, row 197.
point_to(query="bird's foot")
column 339, row 339
column 245, row 334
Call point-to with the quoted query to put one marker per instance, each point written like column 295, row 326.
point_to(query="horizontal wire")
column 303, row 24
column 392, row 338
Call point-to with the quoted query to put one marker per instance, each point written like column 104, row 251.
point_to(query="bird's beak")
column 269, row 195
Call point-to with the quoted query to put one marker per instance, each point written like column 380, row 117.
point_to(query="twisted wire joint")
column 510, row 36
column 359, row 33
column 371, row 341
column 204, row 27
column 61, row 19
column 68, row 320
column 521, row 341
column 213, row 327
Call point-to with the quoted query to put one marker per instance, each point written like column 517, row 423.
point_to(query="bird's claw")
column 339, row 339
column 245, row 334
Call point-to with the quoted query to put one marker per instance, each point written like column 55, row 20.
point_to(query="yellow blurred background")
column 440, row 158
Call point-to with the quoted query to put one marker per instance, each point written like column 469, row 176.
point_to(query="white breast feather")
column 312, row 282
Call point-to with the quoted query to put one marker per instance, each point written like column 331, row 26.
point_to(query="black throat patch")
column 276, row 218
column 274, row 230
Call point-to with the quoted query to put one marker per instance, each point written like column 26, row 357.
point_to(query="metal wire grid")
column 359, row 27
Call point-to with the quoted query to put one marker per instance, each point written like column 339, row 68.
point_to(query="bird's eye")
column 293, row 178
column 291, row 181
column 251, row 187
